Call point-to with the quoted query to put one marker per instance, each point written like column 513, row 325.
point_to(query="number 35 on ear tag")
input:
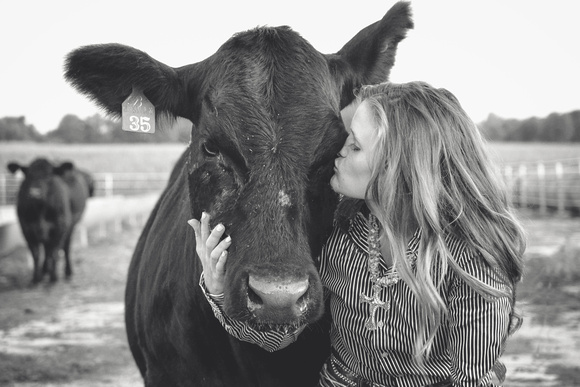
column 138, row 114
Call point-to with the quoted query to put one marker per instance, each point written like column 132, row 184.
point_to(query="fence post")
column 3, row 193
column 560, row 189
column 109, row 184
column 508, row 177
column 83, row 235
column 542, row 188
column 522, row 171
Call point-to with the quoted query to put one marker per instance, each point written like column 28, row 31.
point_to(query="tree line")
column 553, row 128
column 93, row 129
column 97, row 129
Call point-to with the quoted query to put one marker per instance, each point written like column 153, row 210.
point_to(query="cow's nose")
column 275, row 300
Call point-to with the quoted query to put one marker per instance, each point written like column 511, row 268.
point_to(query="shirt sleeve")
column 478, row 327
column 270, row 341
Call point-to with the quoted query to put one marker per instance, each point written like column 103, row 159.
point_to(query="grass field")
column 161, row 157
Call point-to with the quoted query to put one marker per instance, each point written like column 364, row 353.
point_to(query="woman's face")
column 352, row 171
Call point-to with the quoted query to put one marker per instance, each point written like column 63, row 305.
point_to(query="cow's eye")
column 210, row 149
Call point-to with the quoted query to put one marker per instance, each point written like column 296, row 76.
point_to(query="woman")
column 425, row 256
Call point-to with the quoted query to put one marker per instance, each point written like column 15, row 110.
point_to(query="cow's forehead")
column 40, row 166
column 275, row 65
column 271, row 91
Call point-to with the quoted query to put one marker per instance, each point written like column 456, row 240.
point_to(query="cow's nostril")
column 253, row 297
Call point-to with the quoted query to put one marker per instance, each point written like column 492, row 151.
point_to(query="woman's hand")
column 212, row 253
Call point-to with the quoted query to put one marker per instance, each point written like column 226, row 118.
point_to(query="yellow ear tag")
column 138, row 113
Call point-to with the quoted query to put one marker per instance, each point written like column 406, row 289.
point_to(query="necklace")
column 378, row 279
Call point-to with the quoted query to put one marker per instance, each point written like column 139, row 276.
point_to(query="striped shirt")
column 466, row 347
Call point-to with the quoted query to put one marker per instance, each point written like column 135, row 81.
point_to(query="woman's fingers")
column 196, row 225
column 220, row 266
column 214, row 238
column 218, row 252
column 204, row 226
column 208, row 245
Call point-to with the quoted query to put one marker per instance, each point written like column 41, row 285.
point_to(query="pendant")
column 375, row 303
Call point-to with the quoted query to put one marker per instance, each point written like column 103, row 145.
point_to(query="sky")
column 513, row 58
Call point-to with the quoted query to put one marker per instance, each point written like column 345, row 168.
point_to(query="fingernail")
column 228, row 239
column 203, row 215
column 191, row 222
column 219, row 227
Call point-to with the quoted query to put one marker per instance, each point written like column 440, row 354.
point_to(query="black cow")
column 51, row 201
column 266, row 121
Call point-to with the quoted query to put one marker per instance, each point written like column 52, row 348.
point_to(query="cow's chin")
column 285, row 328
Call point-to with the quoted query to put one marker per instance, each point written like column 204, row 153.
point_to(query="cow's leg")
column 67, row 262
column 35, row 250
column 51, row 257
column 43, row 260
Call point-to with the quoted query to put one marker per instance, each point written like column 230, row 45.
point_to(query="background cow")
column 51, row 201
column 266, row 128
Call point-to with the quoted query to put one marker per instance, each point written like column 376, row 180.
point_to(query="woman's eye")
column 354, row 147
column 210, row 149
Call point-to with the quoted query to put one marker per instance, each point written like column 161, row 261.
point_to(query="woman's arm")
column 478, row 329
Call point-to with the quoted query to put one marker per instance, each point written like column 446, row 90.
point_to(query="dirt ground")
column 72, row 333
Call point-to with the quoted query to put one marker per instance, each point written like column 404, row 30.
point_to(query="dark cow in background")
column 51, row 201
column 266, row 128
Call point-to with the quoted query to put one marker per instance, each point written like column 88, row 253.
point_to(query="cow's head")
column 266, row 121
column 38, row 176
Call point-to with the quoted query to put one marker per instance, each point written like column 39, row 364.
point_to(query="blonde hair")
column 430, row 166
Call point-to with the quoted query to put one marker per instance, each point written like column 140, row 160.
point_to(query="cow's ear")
column 63, row 168
column 107, row 73
column 369, row 56
column 14, row 167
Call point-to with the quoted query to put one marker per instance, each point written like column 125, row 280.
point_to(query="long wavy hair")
column 431, row 170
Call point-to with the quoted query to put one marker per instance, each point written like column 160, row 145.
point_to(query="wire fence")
column 106, row 184
column 547, row 187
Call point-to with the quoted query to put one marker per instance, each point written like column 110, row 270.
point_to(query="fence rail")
column 106, row 184
column 546, row 186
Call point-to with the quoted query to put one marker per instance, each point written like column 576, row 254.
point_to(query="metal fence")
column 546, row 186
column 106, row 184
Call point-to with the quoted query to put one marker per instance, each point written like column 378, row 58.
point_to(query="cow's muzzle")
column 276, row 301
